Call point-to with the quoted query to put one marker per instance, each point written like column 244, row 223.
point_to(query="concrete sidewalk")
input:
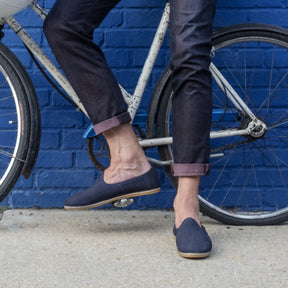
column 55, row 248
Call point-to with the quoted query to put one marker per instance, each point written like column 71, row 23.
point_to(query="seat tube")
column 149, row 63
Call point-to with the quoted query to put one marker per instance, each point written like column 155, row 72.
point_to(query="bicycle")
column 247, row 185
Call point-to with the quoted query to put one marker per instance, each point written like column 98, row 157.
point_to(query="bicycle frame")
column 134, row 100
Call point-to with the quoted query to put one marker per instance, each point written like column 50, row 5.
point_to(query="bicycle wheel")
column 14, row 123
column 248, row 182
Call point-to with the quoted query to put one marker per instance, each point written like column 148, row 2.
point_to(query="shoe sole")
column 130, row 195
column 194, row 255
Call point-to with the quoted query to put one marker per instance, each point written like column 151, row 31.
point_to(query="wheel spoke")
column 6, row 98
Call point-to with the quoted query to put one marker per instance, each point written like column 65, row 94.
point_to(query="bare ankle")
column 124, row 172
column 127, row 156
column 186, row 203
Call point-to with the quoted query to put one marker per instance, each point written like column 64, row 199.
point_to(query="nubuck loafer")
column 192, row 240
column 101, row 193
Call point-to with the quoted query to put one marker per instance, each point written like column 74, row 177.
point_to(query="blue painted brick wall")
column 63, row 166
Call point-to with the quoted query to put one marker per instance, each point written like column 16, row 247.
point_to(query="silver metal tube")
column 170, row 162
column 39, row 10
column 156, row 142
column 213, row 134
column 231, row 93
column 149, row 63
column 159, row 162
column 44, row 60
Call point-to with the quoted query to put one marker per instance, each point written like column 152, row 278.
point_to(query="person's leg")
column 69, row 29
column 190, row 36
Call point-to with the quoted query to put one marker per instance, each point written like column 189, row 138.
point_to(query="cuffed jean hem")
column 195, row 169
column 112, row 122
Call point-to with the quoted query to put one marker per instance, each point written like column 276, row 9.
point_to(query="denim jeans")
column 69, row 29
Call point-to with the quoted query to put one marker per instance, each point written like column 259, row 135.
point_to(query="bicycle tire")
column 14, row 107
column 247, row 184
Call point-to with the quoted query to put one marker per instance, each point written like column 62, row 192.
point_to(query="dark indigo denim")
column 69, row 30
column 190, row 37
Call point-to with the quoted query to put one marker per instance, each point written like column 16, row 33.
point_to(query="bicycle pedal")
column 122, row 203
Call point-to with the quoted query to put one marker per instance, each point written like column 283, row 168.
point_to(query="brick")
column 5, row 203
column 48, row 3
column 23, row 183
column 268, row 16
column 12, row 40
column 73, row 140
column 117, row 57
column 54, row 159
column 235, row 17
column 37, row 78
column 99, row 37
column 129, row 38
column 65, row 179
column 83, row 160
column 43, row 96
column 27, row 19
column 43, row 199
column 61, row 119
column 142, row 3
column 59, row 101
column 143, row 18
column 251, row 4
column 113, row 19
column 127, row 78
column 138, row 57
column 21, row 54
column 50, row 139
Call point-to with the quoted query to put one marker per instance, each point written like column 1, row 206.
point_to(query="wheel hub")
column 257, row 129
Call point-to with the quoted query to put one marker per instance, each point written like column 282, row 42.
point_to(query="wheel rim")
column 9, row 117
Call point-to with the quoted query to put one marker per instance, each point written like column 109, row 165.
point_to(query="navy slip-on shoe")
column 192, row 241
column 101, row 193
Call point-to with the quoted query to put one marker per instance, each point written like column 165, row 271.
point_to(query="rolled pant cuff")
column 195, row 169
column 112, row 122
